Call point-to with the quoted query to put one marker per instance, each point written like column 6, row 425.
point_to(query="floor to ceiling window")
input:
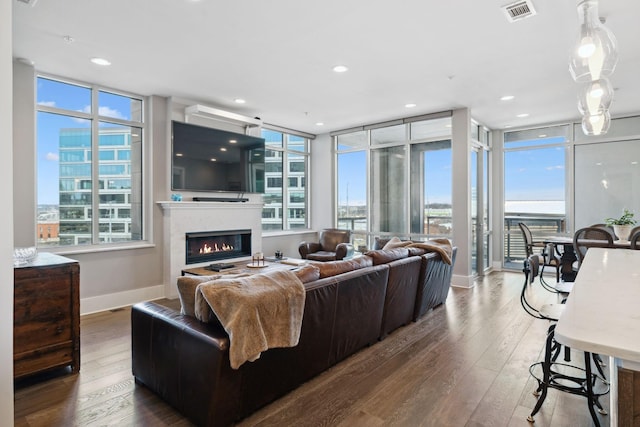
column 481, row 232
column 395, row 179
column 534, row 186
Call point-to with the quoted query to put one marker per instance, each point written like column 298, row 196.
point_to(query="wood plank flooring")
column 463, row 364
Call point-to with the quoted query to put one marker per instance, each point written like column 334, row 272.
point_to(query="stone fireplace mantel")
column 180, row 218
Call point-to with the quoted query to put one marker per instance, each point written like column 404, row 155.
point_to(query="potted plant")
column 622, row 226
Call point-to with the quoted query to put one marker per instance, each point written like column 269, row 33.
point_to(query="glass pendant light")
column 595, row 54
column 596, row 124
column 594, row 97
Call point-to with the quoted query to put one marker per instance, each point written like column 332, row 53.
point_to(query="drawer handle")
column 59, row 330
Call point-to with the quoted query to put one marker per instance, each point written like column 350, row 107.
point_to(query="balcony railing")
column 514, row 250
column 539, row 224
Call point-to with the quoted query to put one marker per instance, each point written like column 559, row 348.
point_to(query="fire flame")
column 206, row 249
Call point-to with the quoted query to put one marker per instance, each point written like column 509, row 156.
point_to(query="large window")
column 89, row 159
column 395, row 179
column 534, row 186
column 286, row 165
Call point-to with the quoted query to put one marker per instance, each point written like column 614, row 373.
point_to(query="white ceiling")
column 279, row 54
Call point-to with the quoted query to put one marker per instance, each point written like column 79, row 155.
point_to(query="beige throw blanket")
column 258, row 312
column 441, row 246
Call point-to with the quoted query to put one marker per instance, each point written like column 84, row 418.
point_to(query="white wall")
column 322, row 187
column 461, row 206
column 6, row 217
column 24, row 131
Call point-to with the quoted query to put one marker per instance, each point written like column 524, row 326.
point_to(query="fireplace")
column 217, row 245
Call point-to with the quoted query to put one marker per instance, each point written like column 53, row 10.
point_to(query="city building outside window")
column 89, row 159
column 286, row 169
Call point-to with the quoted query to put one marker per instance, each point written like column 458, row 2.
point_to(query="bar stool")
column 558, row 375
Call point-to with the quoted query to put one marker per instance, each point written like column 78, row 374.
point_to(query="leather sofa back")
column 400, row 298
column 333, row 268
column 329, row 238
column 186, row 362
column 434, row 282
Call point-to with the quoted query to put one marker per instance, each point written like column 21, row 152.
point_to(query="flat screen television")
column 207, row 159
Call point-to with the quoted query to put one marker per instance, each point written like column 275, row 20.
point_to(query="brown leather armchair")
column 334, row 244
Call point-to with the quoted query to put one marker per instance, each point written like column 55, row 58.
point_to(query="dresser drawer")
column 46, row 323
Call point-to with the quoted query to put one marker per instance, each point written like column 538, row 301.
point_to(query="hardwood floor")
column 463, row 364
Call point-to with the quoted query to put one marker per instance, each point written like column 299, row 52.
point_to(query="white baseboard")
column 463, row 281
column 120, row 299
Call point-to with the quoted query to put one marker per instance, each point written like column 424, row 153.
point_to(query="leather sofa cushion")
column 416, row 251
column 383, row 256
column 323, row 256
column 307, row 273
column 332, row 268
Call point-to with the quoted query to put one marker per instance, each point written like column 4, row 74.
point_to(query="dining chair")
column 549, row 256
column 590, row 237
column 608, row 228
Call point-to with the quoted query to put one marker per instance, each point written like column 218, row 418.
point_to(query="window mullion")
column 285, row 184
column 95, row 175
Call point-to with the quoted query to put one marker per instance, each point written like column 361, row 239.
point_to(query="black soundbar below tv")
column 219, row 199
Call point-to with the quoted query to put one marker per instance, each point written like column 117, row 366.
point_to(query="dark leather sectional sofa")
column 352, row 305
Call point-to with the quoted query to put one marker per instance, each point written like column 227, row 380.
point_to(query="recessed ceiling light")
column 214, row 160
column 409, row 105
column 100, row 61
column 232, row 141
column 523, row 115
column 508, row 126
column 542, row 135
column 507, row 98
column 223, row 149
column 340, row 68
column 178, row 154
column 239, row 101
column 319, row 124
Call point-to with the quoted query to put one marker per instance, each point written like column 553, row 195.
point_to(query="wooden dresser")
column 46, row 325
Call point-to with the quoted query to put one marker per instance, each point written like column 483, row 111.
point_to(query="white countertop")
column 603, row 310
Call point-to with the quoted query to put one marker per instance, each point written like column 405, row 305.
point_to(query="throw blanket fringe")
column 258, row 312
column 441, row 246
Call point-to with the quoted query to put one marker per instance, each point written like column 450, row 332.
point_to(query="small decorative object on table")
column 22, row 256
column 257, row 260
column 622, row 226
column 176, row 197
column 278, row 254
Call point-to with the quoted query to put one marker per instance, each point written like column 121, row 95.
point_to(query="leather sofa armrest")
column 306, row 248
column 344, row 250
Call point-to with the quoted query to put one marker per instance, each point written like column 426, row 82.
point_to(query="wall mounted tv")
column 207, row 159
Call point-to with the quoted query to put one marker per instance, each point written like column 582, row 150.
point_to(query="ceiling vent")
column 519, row 10
column 28, row 2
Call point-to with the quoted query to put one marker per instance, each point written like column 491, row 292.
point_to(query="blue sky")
column 530, row 174
column 69, row 97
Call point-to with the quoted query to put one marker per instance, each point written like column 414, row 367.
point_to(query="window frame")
column 296, row 156
column 96, row 119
